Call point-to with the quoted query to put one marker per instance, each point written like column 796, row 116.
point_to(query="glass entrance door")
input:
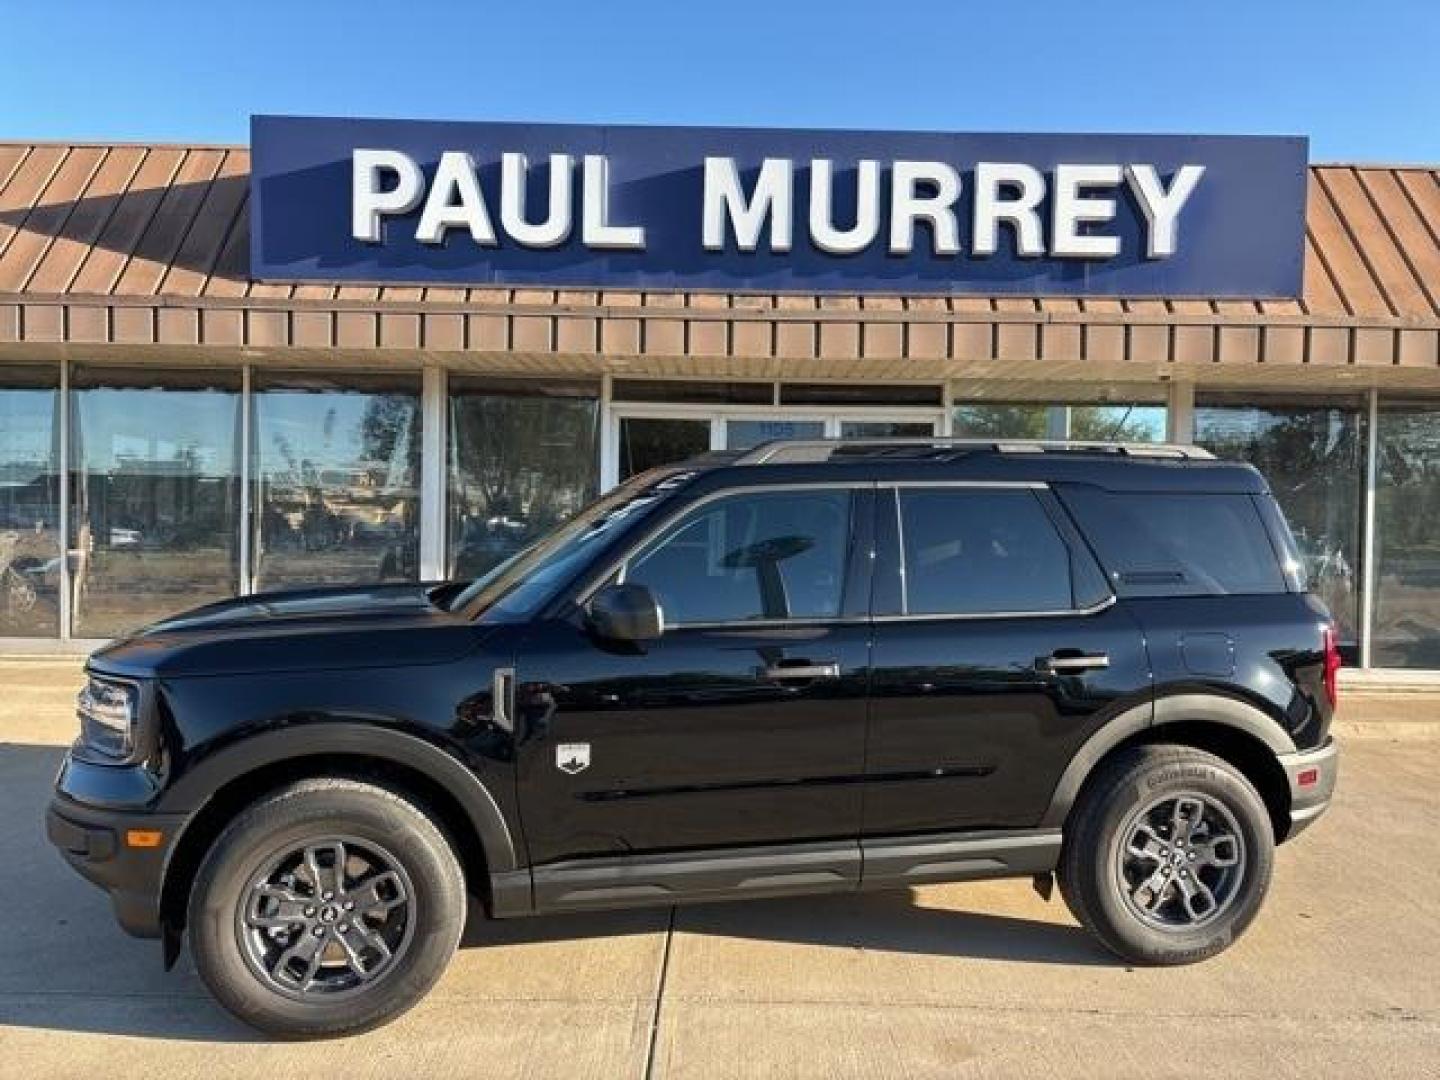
column 742, row 432
column 643, row 436
column 648, row 441
column 886, row 429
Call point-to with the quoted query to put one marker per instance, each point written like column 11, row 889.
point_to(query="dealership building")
column 363, row 351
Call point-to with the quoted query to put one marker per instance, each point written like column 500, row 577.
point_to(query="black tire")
column 414, row 924
column 1112, row 896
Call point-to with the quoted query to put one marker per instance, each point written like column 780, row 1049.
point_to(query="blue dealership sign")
column 422, row 202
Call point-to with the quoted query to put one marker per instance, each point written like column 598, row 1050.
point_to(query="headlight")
column 107, row 709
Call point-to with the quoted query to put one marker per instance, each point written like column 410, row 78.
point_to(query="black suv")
column 810, row 667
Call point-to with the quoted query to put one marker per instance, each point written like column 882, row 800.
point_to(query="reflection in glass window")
column 1117, row 423
column 1406, row 620
column 886, row 429
column 744, row 434
column 337, row 480
column 648, row 442
column 518, row 466
column 1313, row 457
column 29, row 503
column 776, row 555
column 1131, row 422
column 1002, row 421
column 979, row 551
column 155, row 497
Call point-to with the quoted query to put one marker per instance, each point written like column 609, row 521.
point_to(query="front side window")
column 763, row 555
column 977, row 551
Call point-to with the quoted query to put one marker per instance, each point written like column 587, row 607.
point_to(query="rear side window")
column 1177, row 544
column 971, row 551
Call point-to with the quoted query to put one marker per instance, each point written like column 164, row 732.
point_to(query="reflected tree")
column 1311, row 458
column 1002, row 421
column 518, row 466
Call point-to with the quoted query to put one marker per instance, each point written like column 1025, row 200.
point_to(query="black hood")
column 310, row 629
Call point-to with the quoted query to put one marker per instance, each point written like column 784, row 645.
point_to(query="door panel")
column 689, row 744
column 744, row 723
column 972, row 728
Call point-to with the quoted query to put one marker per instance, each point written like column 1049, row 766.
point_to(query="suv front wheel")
column 1167, row 856
column 325, row 908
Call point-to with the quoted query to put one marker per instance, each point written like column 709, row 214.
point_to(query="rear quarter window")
column 1177, row 543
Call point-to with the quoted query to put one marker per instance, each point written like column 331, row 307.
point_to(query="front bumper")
column 93, row 839
column 1312, row 775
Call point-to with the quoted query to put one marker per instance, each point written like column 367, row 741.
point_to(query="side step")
column 792, row 869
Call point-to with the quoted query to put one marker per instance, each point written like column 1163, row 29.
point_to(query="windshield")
column 519, row 585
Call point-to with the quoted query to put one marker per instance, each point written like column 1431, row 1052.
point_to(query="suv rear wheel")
column 1167, row 856
column 327, row 907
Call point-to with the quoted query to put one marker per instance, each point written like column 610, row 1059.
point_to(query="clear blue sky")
column 1361, row 79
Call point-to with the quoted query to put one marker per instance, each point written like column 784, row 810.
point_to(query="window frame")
column 860, row 546
column 890, row 548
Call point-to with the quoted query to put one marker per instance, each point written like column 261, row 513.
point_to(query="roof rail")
column 800, row 451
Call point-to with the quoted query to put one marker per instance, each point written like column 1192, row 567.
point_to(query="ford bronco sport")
column 810, row 667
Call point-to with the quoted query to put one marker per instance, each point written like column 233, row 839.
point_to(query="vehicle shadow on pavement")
column 878, row 922
column 70, row 968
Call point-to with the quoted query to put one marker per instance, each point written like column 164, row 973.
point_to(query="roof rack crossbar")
column 794, row 451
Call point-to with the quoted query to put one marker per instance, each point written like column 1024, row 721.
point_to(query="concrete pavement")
column 1340, row 976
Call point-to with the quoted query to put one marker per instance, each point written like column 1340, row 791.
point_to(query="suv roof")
column 1112, row 465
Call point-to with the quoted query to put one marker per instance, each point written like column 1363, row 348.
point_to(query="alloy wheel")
column 326, row 918
column 1181, row 861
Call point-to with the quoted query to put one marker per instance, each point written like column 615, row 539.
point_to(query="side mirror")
column 626, row 612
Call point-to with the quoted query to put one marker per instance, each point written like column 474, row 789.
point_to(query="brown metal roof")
column 149, row 243
column 144, row 221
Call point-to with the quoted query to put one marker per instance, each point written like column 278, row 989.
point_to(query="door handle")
column 800, row 672
column 1066, row 663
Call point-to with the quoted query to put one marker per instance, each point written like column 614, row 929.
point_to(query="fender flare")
column 194, row 790
column 1170, row 709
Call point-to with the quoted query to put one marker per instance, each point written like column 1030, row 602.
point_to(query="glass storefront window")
column 518, row 464
column 155, row 495
column 1117, row 423
column 337, row 480
column 29, row 502
column 1133, row 422
column 1405, row 624
column 1313, row 456
column 1002, row 421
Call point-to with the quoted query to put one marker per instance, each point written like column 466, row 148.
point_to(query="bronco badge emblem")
column 572, row 758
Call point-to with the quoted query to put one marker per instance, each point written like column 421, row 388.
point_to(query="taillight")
column 1332, row 665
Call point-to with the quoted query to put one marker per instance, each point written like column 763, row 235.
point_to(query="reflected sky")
column 309, row 432
column 123, row 429
column 27, row 434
